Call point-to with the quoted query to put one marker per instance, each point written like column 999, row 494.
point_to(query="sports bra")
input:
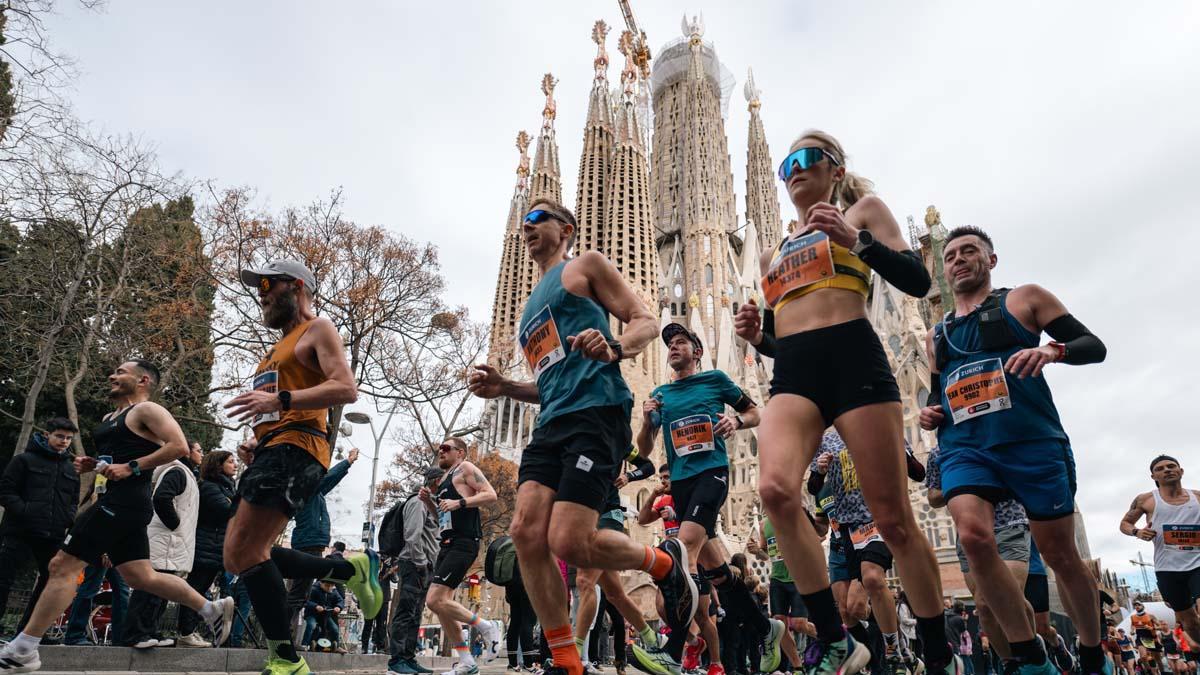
column 803, row 264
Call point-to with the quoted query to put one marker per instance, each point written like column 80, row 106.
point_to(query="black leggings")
column 201, row 578
column 618, row 632
column 520, row 626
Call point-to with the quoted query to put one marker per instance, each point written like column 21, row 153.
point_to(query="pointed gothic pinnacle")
column 599, row 32
column 629, row 73
column 551, row 109
column 523, row 147
column 751, row 90
column 694, row 27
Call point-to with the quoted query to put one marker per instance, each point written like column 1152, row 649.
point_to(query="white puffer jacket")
column 173, row 550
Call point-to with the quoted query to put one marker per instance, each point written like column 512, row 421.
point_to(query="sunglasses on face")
column 804, row 158
column 265, row 283
column 538, row 216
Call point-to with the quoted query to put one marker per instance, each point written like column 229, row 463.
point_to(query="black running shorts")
column 1179, row 589
column 282, row 477
column 1037, row 592
column 875, row 552
column 786, row 599
column 699, row 498
column 578, row 454
column 101, row 529
column 839, row 368
column 455, row 557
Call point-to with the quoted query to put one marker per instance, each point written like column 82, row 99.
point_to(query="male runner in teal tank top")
column 582, row 432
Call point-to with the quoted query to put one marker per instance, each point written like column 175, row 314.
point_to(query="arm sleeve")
column 1082, row 346
column 10, row 486
column 935, row 390
column 334, row 476
column 767, row 346
column 734, row 396
column 643, row 468
column 170, row 487
column 902, row 269
column 816, row 481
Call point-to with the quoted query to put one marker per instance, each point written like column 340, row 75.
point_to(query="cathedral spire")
column 597, row 149
column 762, row 199
column 547, row 180
column 508, row 301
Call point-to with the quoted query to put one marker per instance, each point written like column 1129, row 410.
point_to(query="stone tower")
column 545, row 181
column 508, row 303
column 762, row 198
column 691, row 180
column 597, row 150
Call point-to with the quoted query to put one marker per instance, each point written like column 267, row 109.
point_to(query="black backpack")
column 391, row 529
column 500, row 561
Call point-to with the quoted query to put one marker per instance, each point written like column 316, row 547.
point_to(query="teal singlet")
column 567, row 381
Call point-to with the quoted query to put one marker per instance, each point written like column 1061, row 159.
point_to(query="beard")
column 978, row 279
column 281, row 311
column 121, row 391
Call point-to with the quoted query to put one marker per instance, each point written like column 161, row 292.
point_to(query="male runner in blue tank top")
column 582, row 432
column 999, row 433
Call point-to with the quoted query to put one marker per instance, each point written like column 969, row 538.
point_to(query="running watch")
column 865, row 241
column 133, row 466
column 615, row 346
column 285, row 399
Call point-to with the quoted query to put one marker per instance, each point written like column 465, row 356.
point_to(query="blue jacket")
column 312, row 520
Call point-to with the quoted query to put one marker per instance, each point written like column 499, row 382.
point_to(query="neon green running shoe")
column 278, row 666
column 365, row 582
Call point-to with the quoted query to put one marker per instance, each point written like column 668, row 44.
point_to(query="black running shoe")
column 680, row 597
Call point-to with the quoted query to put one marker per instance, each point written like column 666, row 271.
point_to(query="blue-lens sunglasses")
column 804, row 158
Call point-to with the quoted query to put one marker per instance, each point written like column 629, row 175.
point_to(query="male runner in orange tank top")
column 297, row 381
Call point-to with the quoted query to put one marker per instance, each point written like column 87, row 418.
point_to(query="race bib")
column 692, row 434
column 862, row 536
column 773, row 550
column 541, row 343
column 977, row 389
column 800, row 262
column 1182, row 537
column 267, row 381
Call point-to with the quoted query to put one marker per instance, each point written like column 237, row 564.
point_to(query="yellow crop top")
column 805, row 263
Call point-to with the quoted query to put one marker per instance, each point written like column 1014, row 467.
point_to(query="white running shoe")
column 147, row 643
column 223, row 624
column 461, row 668
column 192, row 640
column 165, row 642
column 491, row 640
column 13, row 662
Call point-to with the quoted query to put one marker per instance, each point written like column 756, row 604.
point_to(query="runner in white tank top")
column 1173, row 524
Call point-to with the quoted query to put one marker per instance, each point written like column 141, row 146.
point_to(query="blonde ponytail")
column 852, row 187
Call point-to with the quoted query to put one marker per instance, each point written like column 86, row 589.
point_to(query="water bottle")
column 101, row 481
column 656, row 415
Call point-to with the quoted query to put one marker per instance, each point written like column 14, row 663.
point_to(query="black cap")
column 673, row 329
column 432, row 472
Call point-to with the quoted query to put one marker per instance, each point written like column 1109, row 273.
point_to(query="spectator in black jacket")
column 324, row 606
column 39, row 492
column 216, row 508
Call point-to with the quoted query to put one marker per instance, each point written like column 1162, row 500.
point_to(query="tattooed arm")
column 484, row 493
column 1136, row 510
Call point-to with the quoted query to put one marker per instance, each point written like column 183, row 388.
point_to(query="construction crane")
column 641, row 51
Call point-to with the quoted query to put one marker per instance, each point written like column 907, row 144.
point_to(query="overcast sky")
column 1068, row 130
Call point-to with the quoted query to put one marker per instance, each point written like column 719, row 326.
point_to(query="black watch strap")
column 462, row 502
column 617, row 348
column 285, row 399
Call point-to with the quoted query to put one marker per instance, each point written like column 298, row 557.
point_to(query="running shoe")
column 192, row 640
column 365, row 583
column 164, row 642
column 146, row 643
column 679, row 591
column 278, row 666
column 417, row 667
column 1062, row 656
column 914, row 665
column 893, row 664
column 844, row 657
column 771, row 658
column 13, row 662
column 653, row 661
column 716, row 669
column 401, row 667
column 589, row 668
column 461, row 668
column 223, row 623
column 691, row 654
column 491, row 640
column 1046, row 667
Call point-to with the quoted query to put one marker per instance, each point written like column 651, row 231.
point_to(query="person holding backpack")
column 408, row 533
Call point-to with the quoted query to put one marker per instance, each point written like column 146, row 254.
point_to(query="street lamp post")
column 363, row 418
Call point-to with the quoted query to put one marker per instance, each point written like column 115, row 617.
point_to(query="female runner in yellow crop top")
column 830, row 368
